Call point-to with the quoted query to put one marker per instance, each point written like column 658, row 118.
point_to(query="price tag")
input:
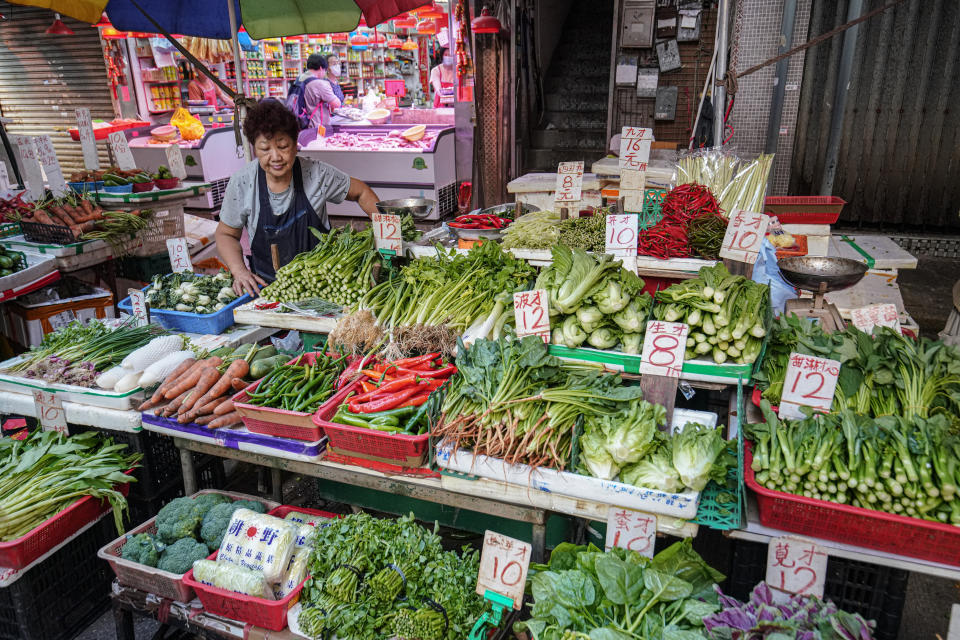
column 796, row 565
column 632, row 180
column 88, row 141
column 633, row 530
column 179, row 255
column 876, row 315
column 47, row 156
column 138, row 306
column 664, row 344
column 532, row 314
column 745, row 233
column 175, row 161
column 635, row 148
column 50, row 411
column 121, row 150
column 386, row 232
column 621, row 238
column 30, row 166
column 62, row 319
column 569, row 183
column 4, row 178
column 810, row 382
column 503, row 567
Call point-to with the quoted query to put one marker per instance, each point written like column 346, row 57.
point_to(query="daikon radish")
column 152, row 352
column 110, row 378
column 162, row 368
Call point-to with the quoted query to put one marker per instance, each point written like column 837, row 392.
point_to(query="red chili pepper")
column 389, row 401
column 388, row 388
column 367, row 386
column 443, row 372
column 415, row 360
column 415, row 401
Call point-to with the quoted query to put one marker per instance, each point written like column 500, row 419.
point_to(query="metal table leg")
column 123, row 619
column 538, row 538
column 189, row 472
column 276, row 484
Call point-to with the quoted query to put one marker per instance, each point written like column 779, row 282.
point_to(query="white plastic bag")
column 259, row 542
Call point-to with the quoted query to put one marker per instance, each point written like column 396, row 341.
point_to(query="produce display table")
column 189, row 617
column 249, row 314
column 878, row 252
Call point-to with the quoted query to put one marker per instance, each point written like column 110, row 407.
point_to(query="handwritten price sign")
column 30, row 167
column 62, row 319
column 138, row 306
column 795, row 565
column 633, row 530
column 876, row 315
column 569, row 183
column 47, row 157
column 50, row 411
column 532, row 314
column 503, row 567
column 175, row 161
column 810, row 382
column 179, row 255
column 745, row 233
column 635, row 148
column 87, row 140
column 121, row 150
column 664, row 344
column 621, row 238
column 386, row 232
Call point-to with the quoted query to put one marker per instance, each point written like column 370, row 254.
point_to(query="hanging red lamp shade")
column 360, row 42
column 394, row 43
column 426, row 27
column 409, row 45
column 58, row 28
column 485, row 23
column 363, row 22
column 404, row 21
column 377, row 39
column 432, row 12
column 104, row 21
column 110, row 33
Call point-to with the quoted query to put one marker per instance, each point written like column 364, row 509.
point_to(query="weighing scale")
column 819, row 276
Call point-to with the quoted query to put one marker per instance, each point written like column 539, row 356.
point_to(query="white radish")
column 127, row 382
column 152, row 352
column 109, row 378
column 163, row 367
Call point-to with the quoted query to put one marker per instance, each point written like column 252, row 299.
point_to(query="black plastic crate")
column 62, row 595
column 143, row 269
column 159, row 466
column 210, row 475
column 46, row 233
column 875, row 592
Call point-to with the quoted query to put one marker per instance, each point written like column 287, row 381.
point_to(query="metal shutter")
column 44, row 78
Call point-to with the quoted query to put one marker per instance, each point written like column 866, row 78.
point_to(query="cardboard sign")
column 532, row 314
column 30, row 167
column 386, row 232
column 664, row 345
column 175, row 161
column 47, row 157
column 621, row 234
column 88, row 142
column 4, row 178
column 632, row 530
column 50, row 411
column 138, row 306
column 62, row 319
column 179, row 255
column 569, row 183
column 121, row 151
column 876, row 315
column 635, row 148
column 503, row 567
column 745, row 233
column 810, row 382
column 795, row 565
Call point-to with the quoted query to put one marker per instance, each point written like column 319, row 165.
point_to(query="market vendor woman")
column 278, row 198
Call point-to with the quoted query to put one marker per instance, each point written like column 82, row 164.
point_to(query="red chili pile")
column 668, row 238
column 480, row 221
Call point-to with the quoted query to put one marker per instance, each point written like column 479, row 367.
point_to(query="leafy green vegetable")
column 191, row 293
column 695, row 448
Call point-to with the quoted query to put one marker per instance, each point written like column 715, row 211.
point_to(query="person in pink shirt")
column 319, row 97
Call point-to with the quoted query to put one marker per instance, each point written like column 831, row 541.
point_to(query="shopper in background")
column 319, row 99
column 277, row 198
column 441, row 79
column 203, row 88
column 333, row 75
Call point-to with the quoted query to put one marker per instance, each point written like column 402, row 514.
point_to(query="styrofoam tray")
column 678, row 505
column 38, row 266
column 19, row 243
column 68, row 393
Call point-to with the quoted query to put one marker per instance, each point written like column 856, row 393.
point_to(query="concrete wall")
column 550, row 17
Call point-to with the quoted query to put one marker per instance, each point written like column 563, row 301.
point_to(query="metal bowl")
column 515, row 209
column 476, row 234
column 808, row 272
column 419, row 208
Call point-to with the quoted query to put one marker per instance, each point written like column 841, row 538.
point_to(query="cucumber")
column 260, row 368
column 265, row 352
column 5, row 272
column 6, row 262
column 243, row 350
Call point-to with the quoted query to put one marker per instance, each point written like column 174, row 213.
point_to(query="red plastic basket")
column 382, row 467
column 391, row 448
column 19, row 553
column 804, row 209
column 284, row 509
column 903, row 535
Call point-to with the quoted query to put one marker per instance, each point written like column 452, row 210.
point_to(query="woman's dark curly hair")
column 269, row 118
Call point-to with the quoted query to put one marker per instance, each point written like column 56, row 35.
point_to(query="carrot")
column 201, row 408
column 56, row 211
column 41, row 216
column 87, row 208
column 206, row 419
column 225, row 421
column 169, row 382
column 208, row 377
column 224, row 408
column 237, row 369
column 192, row 376
column 73, row 212
column 171, row 408
column 239, row 383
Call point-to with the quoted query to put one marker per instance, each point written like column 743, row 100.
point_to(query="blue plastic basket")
column 84, row 187
column 211, row 323
column 123, row 188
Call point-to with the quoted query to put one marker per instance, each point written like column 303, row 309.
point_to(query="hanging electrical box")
column 637, row 29
column 666, row 105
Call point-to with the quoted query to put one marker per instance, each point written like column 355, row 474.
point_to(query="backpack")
column 296, row 102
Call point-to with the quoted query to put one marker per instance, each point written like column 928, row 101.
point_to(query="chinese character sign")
column 179, row 255
column 795, row 565
column 87, row 140
column 745, row 233
column 503, row 567
column 50, row 411
column 664, row 345
column 386, row 232
column 569, row 183
column 876, row 315
column 121, row 150
column 175, row 161
column 47, row 157
column 635, row 148
column 621, row 234
column 30, row 167
column 531, row 311
column 138, row 306
column 633, row 530
column 810, row 382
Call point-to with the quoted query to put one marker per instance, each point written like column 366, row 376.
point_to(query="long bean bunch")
column 301, row 386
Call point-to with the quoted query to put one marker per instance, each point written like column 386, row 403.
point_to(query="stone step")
column 573, row 101
column 576, row 119
column 573, row 86
column 580, row 138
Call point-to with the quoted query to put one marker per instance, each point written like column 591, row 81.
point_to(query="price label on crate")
column 745, row 233
column 386, row 232
column 635, row 148
column 621, row 234
column 88, row 142
column 633, row 530
column 796, row 565
column 121, row 150
column 62, row 319
column 664, row 344
column 503, row 567
column 810, row 382
column 138, row 306
column 569, row 183
column 876, row 315
column 47, row 156
column 50, row 411
column 179, row 255
column 30, row 167
column 175, row 161
column 532, row 314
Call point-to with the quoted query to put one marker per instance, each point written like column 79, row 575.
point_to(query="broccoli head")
column 180, row 556
column 253, row 505
column 215, row 524
column 209, row 500
column 142, row 548
column 179, row 518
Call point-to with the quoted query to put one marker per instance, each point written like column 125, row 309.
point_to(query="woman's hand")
column 247, row 282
